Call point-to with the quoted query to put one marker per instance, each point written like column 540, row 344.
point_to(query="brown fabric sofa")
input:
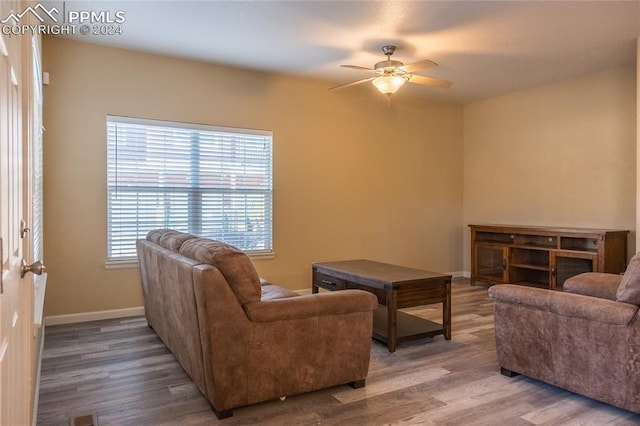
column 585, row 339
column 241, row 339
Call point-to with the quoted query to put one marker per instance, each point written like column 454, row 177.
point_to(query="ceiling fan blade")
column 420, row 79
column 353, row 83
column 420, row 65
column 356, row 67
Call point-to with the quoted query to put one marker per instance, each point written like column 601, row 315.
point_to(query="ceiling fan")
column 390, row 75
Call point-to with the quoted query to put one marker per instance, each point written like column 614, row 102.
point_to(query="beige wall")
column 352, row 178
column 560, row 155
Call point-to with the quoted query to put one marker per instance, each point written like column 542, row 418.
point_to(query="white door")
column 17, row 343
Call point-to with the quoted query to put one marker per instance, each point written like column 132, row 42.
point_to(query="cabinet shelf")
column 541, row 241
column 579, row 244
column 579, row 249
column 495, row 237
column 531, row 266
column 543, row 256
column 531, row 247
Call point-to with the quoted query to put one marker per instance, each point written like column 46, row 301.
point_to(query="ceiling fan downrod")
column 388, row 66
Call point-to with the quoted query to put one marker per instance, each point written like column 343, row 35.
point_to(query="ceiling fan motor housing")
column 388, row 65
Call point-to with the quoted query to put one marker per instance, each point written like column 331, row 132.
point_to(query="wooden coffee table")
column 396, row 287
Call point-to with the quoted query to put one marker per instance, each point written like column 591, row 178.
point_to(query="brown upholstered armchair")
column 585, row 339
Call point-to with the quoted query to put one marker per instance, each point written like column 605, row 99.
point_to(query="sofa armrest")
column 595, row 284
column 592, row 308
column 565, row 304
column 311, row 305
column 520, row 295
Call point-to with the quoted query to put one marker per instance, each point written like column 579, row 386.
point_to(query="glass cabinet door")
column 490, row 263
column 567, row 264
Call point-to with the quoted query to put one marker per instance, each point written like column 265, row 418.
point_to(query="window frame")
column 115, row 261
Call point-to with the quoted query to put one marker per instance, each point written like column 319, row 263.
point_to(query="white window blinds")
column 209, row 181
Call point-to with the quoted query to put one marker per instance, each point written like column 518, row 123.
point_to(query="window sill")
column 133, row 263
column 121, row 264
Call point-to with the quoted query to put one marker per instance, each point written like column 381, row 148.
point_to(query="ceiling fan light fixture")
column 389, row 84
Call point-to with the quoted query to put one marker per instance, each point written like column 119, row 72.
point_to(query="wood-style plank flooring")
column 120, row 370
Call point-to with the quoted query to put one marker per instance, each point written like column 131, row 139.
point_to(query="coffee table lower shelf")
column 409, row 326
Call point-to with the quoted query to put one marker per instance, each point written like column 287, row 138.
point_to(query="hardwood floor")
column 120, row 370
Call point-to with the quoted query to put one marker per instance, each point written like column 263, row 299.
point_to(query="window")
column 209, row 181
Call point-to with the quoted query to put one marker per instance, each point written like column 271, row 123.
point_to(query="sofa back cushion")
column 629, row 290
column 235, row 266
column 168, row 238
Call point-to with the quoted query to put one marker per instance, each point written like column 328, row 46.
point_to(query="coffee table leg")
column 392, row 321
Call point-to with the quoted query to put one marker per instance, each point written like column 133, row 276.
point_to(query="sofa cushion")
column 235, row 266
column 168, row 238
column 154, row 235
column 271, row 292
column 629, row 290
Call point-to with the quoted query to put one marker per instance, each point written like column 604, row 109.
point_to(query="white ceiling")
column 487, row 48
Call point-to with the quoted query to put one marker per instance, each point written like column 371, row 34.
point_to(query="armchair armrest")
column 565, row 304
column 311, row 305
column 595, row 284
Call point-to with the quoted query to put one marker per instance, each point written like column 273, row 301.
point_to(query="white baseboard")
column 459, row 274
column 94, row 316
